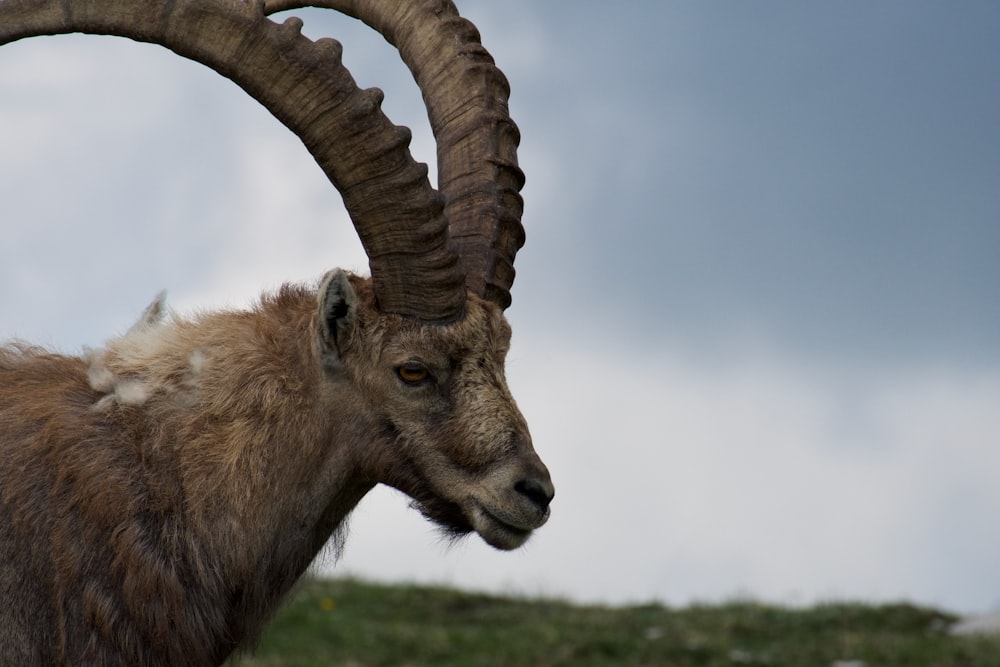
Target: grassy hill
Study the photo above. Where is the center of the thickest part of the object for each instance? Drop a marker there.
(359, 624)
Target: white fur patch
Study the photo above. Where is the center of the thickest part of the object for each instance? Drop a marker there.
(143, 336)
(197, 361)
(99, 375)
(131, 392)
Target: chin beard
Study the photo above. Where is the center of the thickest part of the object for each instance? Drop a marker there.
(447, 515)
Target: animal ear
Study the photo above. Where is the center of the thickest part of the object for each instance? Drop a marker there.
(337, 313)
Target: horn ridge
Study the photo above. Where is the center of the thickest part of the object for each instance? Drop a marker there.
(466, 97)
(305, 85)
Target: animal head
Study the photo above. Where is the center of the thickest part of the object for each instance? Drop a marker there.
(448, 432)
(425, 337)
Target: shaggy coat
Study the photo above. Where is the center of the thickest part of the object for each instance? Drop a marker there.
(160, 495)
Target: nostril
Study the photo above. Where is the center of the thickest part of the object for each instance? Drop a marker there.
(540, 493)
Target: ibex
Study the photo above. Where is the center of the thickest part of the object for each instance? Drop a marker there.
(160, 495)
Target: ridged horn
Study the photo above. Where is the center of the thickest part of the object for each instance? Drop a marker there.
(466, 97)
(399, 216)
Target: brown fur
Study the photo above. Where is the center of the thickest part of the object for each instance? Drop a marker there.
(159, 496)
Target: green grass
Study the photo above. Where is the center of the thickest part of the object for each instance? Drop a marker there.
(359, 624)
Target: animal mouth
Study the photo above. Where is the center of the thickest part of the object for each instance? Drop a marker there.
(501, 524)
(498, 529)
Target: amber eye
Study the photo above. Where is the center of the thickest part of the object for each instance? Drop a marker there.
(413, 373)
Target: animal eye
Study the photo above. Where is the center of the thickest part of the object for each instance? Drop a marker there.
(413, 373)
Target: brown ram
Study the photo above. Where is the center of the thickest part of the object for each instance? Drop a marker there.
(159, 496)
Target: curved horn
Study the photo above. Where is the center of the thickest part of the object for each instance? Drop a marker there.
(466, 98)
(399, 217)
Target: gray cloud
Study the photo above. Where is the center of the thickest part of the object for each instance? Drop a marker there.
(826, 173)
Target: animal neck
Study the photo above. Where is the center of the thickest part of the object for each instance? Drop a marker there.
(265, 453)
(271, 464)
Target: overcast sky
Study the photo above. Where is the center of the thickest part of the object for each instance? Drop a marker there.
(756, 319)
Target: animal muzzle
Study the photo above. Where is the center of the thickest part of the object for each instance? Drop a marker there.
(514, 506)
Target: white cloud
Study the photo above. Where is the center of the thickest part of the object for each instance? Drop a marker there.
(132, 170)
(678, 484)
(282, 221)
